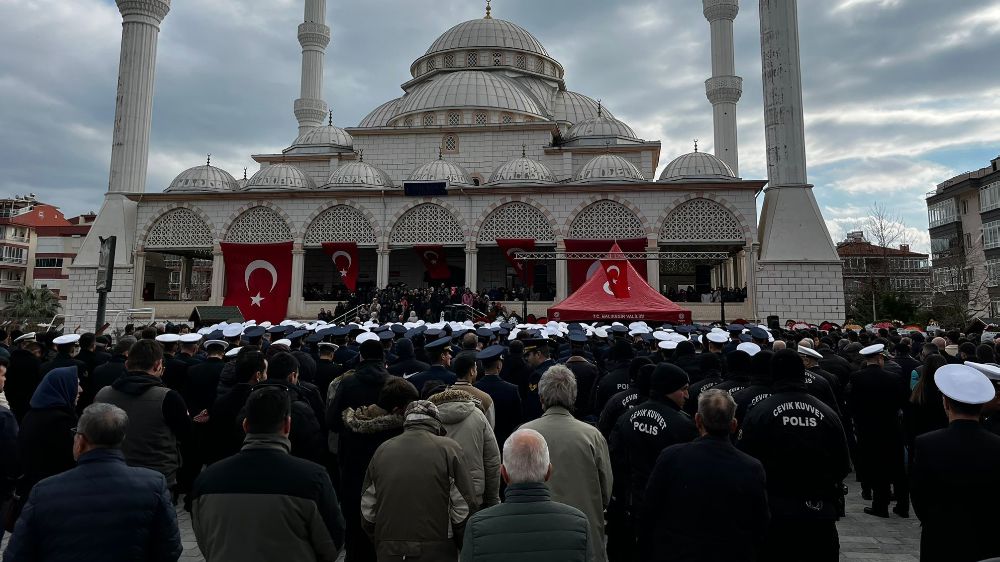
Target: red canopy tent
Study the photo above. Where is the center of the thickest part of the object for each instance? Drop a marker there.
(592, 302)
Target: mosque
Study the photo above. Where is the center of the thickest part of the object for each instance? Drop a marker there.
(486, 143)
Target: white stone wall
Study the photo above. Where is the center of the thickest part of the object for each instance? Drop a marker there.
(82, 302)
(807, 292)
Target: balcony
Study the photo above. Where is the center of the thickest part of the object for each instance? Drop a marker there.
(11, 283)
(19, 239)
(13, 260)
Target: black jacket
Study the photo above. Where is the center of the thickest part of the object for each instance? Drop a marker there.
(876, 399)
(10, 467)
(225, 427)
(307, 436)
(710, 380)
(506, 405)
(407, 366)
(954, 493)
(586, 374)
(691, 484)
(326, 371)
(801, 443)
(531, 405)
(616, 406)
(64, 360)
(23, 376)
(45, 445)
(435, 372)
(202, 382)
(611, 383)
(638, 437)
(108, 373)
(356, 390)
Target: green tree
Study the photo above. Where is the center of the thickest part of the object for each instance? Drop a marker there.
(32, 303)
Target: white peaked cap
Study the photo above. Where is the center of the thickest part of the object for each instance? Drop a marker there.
(749, 348)
(809, 352)
(66, 339)
(992, 372)
(718, 337)
(668, 344)
(232, 352)
(365, 336)
(964, 384)
(162, 338)
(190, 338)
(232, 331)
(283, 341)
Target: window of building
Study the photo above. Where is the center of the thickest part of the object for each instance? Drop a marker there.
(991, 235)
(989, 197)
(14, 255)
(507, 119)
(968, 239)
(454, 119)
(540, 65)
(449, 60)
(431, 65)
(473, 59)
(408, 122)
(477, 179)
(48, 262)
(993, 273)
(519, 61)
(965, 206)
(942, 212)
(909, 284)
(449, 144)
(909, 264)
(428, 119)
(497, 58)
(482, 119)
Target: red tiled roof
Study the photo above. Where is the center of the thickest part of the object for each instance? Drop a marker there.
(864, 249)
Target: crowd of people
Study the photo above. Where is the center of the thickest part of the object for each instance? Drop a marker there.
(453, 441)
(707, 294)
(398, 303)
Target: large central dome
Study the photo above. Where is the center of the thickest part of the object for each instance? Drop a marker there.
(486, 33)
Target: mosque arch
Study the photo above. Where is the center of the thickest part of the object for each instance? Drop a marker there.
(515, 219)
(178, 228)
(341, 222)
(606, 219)
(259, 224)
(703, 218)
(427, 223)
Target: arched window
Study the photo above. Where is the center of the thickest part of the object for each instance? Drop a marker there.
(427, 223)
(482, 118)
(454, 119)
(449, 60)
(431, 65)
(179, 228)
(507, 119)
(497, 58)
(606, 220)
(257, 225)
(408, 122)
(429, 119)
(338, 224)
(519, 61)
(516, 220)
(472, 59)
(701, 219)
(449, 143)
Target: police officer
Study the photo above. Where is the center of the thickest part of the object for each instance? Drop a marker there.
(876, 398)
(538, 356)
(759, 387)
(738, 368)
(624, 400)
(616, 379)
(326, 368)
(711, 370)
(817, 380)
(506, 399)
(637, 439)
(801, 443)
(439, 352)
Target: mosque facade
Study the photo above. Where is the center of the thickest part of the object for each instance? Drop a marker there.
(485, 143)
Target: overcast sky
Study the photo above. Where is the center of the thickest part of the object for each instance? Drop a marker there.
(899, 94)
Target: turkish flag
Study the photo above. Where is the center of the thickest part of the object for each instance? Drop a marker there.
(434, 261)
(509, 247)
(617, 273)
(581, 270)
(258, 279)
(345, 261)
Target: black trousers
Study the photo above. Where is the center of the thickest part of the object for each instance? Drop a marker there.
(790, 540)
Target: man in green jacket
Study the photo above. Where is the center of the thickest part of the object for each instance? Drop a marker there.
(529, 526)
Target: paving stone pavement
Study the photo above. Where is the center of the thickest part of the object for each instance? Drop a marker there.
(862, 537)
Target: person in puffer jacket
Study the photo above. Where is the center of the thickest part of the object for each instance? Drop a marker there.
(464, 422)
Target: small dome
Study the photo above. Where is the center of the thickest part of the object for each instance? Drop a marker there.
(522, 171)
(279, 177)
(442, 170)
(609, 168)
(599, 130)
(328, 135)
(202, 178)
(487, 33)
(359, 174)
(380, 116)
(574, 107)
(697, 165)
(470, 89)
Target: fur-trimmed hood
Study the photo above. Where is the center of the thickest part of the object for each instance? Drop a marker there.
(454, 405)
(371, 419)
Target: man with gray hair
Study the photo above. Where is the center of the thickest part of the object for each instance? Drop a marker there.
(693, 483)
(581, 476)
(528, 526)
(101, 510)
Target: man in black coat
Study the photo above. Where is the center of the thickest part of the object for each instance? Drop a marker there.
(307, 435)
(692, 483)
(801, 443)
(711, 371)
(538, 355)
(759, 387)
(616, 379)
(876, 399)
(622, 401)
(359, 387)
(224, 422)
(506, 399)
(439, 353)
(954, 474)
(114, 368)
(406, 361)
(637, 439)
(586, 374)
(203, 378)
(326, 367)
(515, 370)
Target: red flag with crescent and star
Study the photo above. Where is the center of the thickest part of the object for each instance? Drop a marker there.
(510, 247)
(345, 261)
(434, 261)
(616, 270)
(258, 279)
(580, 270)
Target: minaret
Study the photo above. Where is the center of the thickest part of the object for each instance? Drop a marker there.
(134, 106)
(724, 88)
(314, 36)
(798, 260)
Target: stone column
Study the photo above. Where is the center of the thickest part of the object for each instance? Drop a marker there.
(140, 278)
(653, 264)
(562, 273)
(296, 304)
(724, 88)
(218, 277)
(382, 268)
(749, 255)
(471, 265)
(185, 277)
(314, 36)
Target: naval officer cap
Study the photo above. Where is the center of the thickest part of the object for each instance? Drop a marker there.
(535, 344)
(210, 344)
(749, 348)
(232, 331)
(276, 330)
(809, 352)
(440, 343)
(736, 328)
(365, 336)
(254, 331)
(162, 338)
(667, 345)
(758, 333)
(578, 337)
(484, 333)
(190, 338)
(873, 350)
(718, 337)
(66, 339)
(25, 337)
(327, 346)
(314, 338)
(385, 335)
(282, 342)
(232, 352)
(398, 329)
(491, 353)
(964, 384)
(992, 372)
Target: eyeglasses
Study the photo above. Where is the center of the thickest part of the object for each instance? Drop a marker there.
(75, 431)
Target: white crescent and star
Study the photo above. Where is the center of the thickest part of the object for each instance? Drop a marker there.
(432, 260)
(339, 253)
(254, 266)
(618, 273)
(510, 254)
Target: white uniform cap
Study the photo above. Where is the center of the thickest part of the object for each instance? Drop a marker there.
(68, 338)
(223, 344)
(265, 324)
(964, 384)
(232, 352)
(601, 332)
(637, 325)
(992, 372)
(28, 336)
(326, 344)
(232, 331)
(661, 336)
(283, 341)
(638, 330)
(365, 336)
(190, 338)
(667, 345)
(205, 331)
(168, 338)
(249, 323)
(809, 352)
(677, 338)
(873, 350)
(749, 348)
(718, 337)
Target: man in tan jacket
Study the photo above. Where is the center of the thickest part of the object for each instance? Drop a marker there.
(581, 467)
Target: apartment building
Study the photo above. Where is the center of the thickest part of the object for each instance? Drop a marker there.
(896, 269)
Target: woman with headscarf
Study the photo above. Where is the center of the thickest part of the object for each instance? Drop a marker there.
(45, 443)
